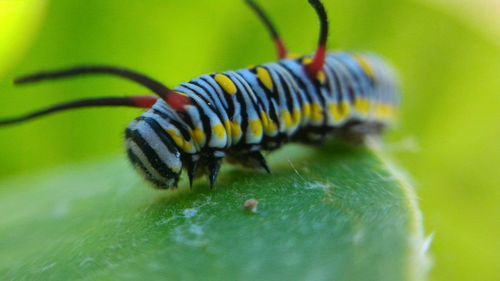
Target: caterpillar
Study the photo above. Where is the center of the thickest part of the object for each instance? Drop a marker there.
(236, 115)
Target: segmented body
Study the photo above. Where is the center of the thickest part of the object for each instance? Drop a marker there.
(241, 112)
(236, 115)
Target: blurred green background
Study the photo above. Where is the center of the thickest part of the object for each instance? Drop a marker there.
(447, 54)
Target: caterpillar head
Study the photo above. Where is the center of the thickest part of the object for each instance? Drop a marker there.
(153, 153)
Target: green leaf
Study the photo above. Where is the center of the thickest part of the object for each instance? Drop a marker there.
(328, 213)
(19, 21)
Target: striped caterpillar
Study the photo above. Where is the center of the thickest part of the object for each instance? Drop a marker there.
(235, 115)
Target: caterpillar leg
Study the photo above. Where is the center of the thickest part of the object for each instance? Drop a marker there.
(356, 132)
(192, 168)
(252, 160)
(280, 46)
(206, 164)
(313, 136)
(213, 170)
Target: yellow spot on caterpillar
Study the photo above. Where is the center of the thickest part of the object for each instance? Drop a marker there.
(306, 111)
(235, 131)
(227, 126)
(340, 111)
(265, 77)
(219, 131)
(226, 84)
(297, 117)
(199, 136)
(287, 118)
(256, 128)
(362, 105)
(273, 127)
(179, 140)
(385, 111)
(269, 126)
(317, 112)
(264, 119)
(346, 109)
(186, 146)
(367, 68)
(321, 77)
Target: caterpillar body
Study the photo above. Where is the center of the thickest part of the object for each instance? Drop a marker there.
(235, 115)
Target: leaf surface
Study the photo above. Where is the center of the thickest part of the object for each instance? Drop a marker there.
(328, 213)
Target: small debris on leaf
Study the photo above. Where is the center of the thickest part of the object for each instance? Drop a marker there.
(251, 205)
